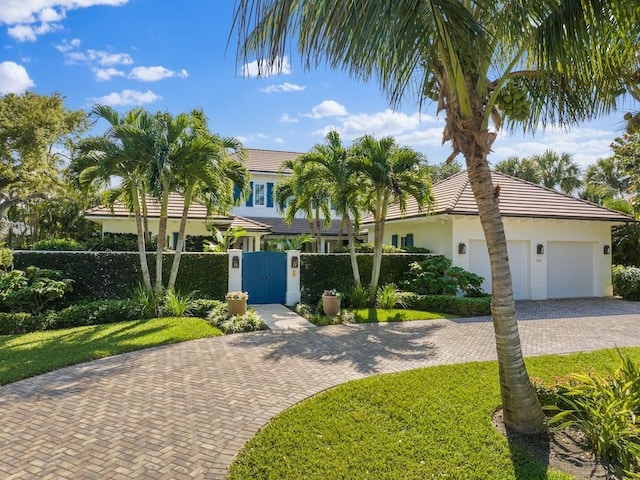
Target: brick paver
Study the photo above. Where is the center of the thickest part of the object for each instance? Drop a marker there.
(184, 411)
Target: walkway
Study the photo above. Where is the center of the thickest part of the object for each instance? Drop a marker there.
(184, 411)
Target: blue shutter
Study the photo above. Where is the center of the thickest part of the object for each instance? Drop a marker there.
(175, 240)
(250, 199)
(409, 241)
(394, 240)
(270, 195)
(236, 193)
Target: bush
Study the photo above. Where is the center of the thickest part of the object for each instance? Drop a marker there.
(176, 305)
(388, 297)
(14, 323)
(436, 276)
(249, 322)
(58, 245)
(461, 306)
(92, 313)
(202, 306)
(118, 242)
(367, 247)
(626, 282)
(358, 297)
(30, 290)
(6, 258)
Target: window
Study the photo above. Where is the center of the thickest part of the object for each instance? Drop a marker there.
(259, 195)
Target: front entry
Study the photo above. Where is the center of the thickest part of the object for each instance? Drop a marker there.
(264, 276)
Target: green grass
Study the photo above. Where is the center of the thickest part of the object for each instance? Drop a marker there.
(23, 356)
(374, 315)
(423, 424)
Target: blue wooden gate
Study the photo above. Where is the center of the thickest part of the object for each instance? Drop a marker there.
(264, 276)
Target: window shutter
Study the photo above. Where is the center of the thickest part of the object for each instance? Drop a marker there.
(250, 199)
(175, 240)
(409, 241)
(236, 193)
(394, 240)
(269, 194)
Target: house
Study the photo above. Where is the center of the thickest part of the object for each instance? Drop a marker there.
(559, 246)
(257, 214)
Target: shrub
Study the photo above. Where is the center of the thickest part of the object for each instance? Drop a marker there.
(367, 247)
(202, 306)
(436, 276)
(30, 290)
(92, 313)
(461, 306)
(6, 258)
(358, 297)
(118, 242)
(626, 282)
(388, 297)
(605, 409)
(249, 322)
(146, 303)
(58, 245)
(14, 323)
(177, 305)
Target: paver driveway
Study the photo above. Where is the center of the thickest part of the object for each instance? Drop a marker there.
(184, 411)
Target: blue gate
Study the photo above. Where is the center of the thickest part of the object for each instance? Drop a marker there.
(264, 276)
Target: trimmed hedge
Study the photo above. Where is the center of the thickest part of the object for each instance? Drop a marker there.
(320, 272)
(626, 282)
(92, 313)
(105, 275)
(14, 323)
(461, 306)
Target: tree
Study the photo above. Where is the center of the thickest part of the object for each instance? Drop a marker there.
(517, 63)
(387, 174)
(328, 166)
(206, 167)
(35, 130)
(442, 171)
(559, 172)
(525, 169)
(626, 152)
(123, 152)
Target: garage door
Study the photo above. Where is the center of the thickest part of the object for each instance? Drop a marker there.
(518, 262)
(570, 269)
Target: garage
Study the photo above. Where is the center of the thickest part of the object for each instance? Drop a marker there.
(570, 269)
(519, 261)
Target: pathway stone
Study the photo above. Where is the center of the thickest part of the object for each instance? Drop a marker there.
(184, 411)
(279, 317)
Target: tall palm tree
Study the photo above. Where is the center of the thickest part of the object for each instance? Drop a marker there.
(608, 175)
(120, 152)
(559, 172)
(207, 167)
(328, 166)
(518, 63)
(524, 168)
(388, 174)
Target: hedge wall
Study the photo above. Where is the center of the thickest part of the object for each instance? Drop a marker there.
(319, 272)
(100, 275)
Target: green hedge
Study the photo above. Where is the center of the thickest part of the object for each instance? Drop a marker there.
(14, 323)
(626, 282)
(97, 312)
(104, 275)
(461, 306)
(320, 272)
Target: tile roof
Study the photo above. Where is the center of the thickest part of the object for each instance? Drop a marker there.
(518, 198)
(267, 161)
(299, 225)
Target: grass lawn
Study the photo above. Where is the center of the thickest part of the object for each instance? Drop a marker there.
(374, 315)
(423, 424)
(30, 354)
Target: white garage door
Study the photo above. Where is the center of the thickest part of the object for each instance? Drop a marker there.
(518, 262)
(570, 269)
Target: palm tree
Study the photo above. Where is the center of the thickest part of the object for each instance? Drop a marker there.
(608, 176)
(387, 174)
(206, 168)
(516, 63)
(559, 172)
(327, 165)
(525, 168)
(120, 152)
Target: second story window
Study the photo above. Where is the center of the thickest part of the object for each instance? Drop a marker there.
(259, 195)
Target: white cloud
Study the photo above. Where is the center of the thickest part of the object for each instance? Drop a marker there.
(287, 119)
(100, 57)
(263, 68)
(283, 87)
(67, 46)
(327, 108)
(14, 78)
(251, 137)
(279, 140)
(29, 33)
(104, 74)
(155, 73)
(127, 97)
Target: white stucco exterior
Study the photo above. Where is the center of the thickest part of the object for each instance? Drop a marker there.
(572, 262)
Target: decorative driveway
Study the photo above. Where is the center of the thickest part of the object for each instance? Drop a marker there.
(184, 411)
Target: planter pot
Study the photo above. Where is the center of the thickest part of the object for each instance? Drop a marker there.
(331, 305)
(237, 307)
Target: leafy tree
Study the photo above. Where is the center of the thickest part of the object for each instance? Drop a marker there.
(442, 171)
(525, 169)
(517, 63)
(387, 174)
(35, 130)
(626, 152)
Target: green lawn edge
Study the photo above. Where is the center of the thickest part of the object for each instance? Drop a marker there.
(380, 315)
(29, 354)
(426, 423)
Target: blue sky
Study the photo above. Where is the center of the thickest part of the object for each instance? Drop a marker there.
(167, 55)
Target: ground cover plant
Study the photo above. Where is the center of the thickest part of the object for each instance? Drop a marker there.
(39, 352)
(426, 423)
(377, 315)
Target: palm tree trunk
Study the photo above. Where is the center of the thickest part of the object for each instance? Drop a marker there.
(521, 408)
(352, 251)
(319, 231)
(162, 234)
(144, 266)
(180, 245)
(314, 245)
(379, 219)
(145, 216)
